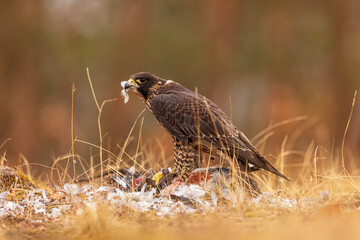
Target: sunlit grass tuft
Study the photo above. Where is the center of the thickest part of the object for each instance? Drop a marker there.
(324, 195)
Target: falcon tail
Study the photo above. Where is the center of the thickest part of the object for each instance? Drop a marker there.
(272, 169)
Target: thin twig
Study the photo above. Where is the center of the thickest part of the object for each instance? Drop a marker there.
(346, 130)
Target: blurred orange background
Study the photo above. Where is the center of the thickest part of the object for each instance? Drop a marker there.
(276, 59)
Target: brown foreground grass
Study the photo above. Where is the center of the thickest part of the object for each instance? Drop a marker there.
(335, 216)
(327, 221)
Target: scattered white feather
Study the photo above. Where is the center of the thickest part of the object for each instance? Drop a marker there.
(131, 170)
(11, 209)
(71, 188)
(3, 196)
(55, 212)
(103, 189)
(214, 198)
(194, 192)
(38, 201)
(124, 92)
(119, 181)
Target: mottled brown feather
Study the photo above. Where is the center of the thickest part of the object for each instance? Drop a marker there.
(182, 112)
(192, 119)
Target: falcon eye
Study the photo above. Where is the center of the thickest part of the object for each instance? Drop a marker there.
(141, 80)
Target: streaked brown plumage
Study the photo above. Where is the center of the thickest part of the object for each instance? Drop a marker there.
(196, 124)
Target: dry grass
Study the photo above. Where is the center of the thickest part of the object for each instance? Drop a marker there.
(335, 218)
(332, 216)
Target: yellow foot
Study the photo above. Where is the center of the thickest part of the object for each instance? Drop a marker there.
(157, 177)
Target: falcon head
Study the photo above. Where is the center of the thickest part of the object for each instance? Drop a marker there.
(143, 84)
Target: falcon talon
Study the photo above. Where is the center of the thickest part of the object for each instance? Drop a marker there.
(157, 177)
(197, 126)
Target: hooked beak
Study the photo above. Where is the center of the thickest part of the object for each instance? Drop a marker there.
(128, 84)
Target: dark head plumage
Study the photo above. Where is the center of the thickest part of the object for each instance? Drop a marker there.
(144, 83)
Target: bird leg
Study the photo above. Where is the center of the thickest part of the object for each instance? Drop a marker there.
(186, 160)
(181, 173)
(183, 169)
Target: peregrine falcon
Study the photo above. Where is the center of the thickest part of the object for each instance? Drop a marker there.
(196, 125)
